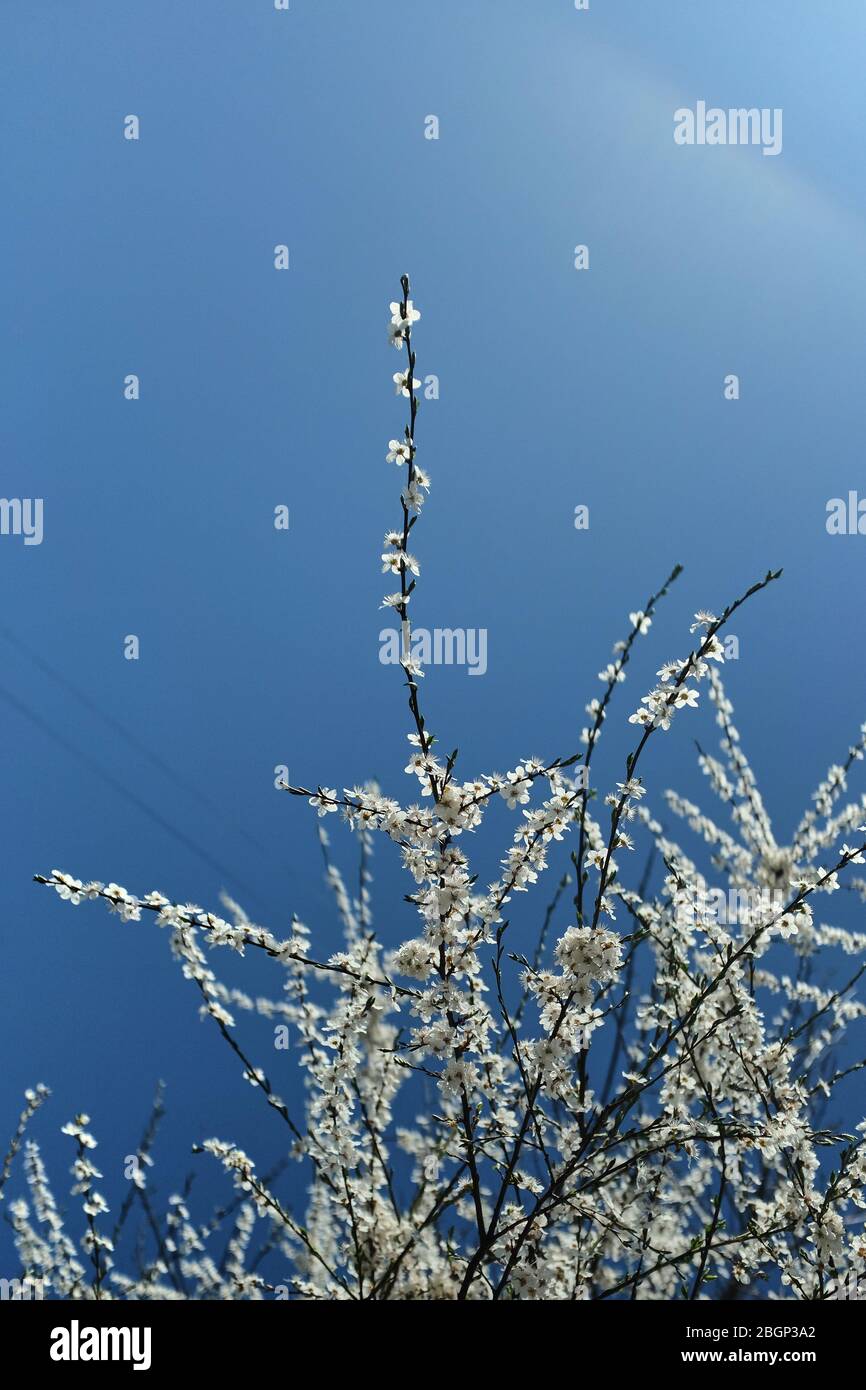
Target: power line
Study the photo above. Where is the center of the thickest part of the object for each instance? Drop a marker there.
(132, 739)
(124, 791)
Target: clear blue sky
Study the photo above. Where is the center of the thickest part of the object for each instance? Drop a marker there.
(257, 388)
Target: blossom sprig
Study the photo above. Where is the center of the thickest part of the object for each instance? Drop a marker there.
(218, 931)
(397, 559)
(97, 1245)
(34, 1098)
(614, 674)
(458, 806)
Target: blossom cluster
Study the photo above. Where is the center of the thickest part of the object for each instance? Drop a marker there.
(613, 1098)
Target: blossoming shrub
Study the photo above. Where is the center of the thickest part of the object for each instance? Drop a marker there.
(632, 1109)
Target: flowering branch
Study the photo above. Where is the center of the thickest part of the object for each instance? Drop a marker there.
(593, 1110)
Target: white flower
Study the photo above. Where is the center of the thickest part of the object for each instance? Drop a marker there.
(410, 316)
(414, 958)
(156, 900)
(515, 790)
(77, 1129)
(124, 904)
(458, 1075)
(632, 788)
(411, 665)
(405, 383)
(399, 451)
(590, 955)
(393, 560)
(67, 887)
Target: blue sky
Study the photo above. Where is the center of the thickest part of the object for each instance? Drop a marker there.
(258, 388)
